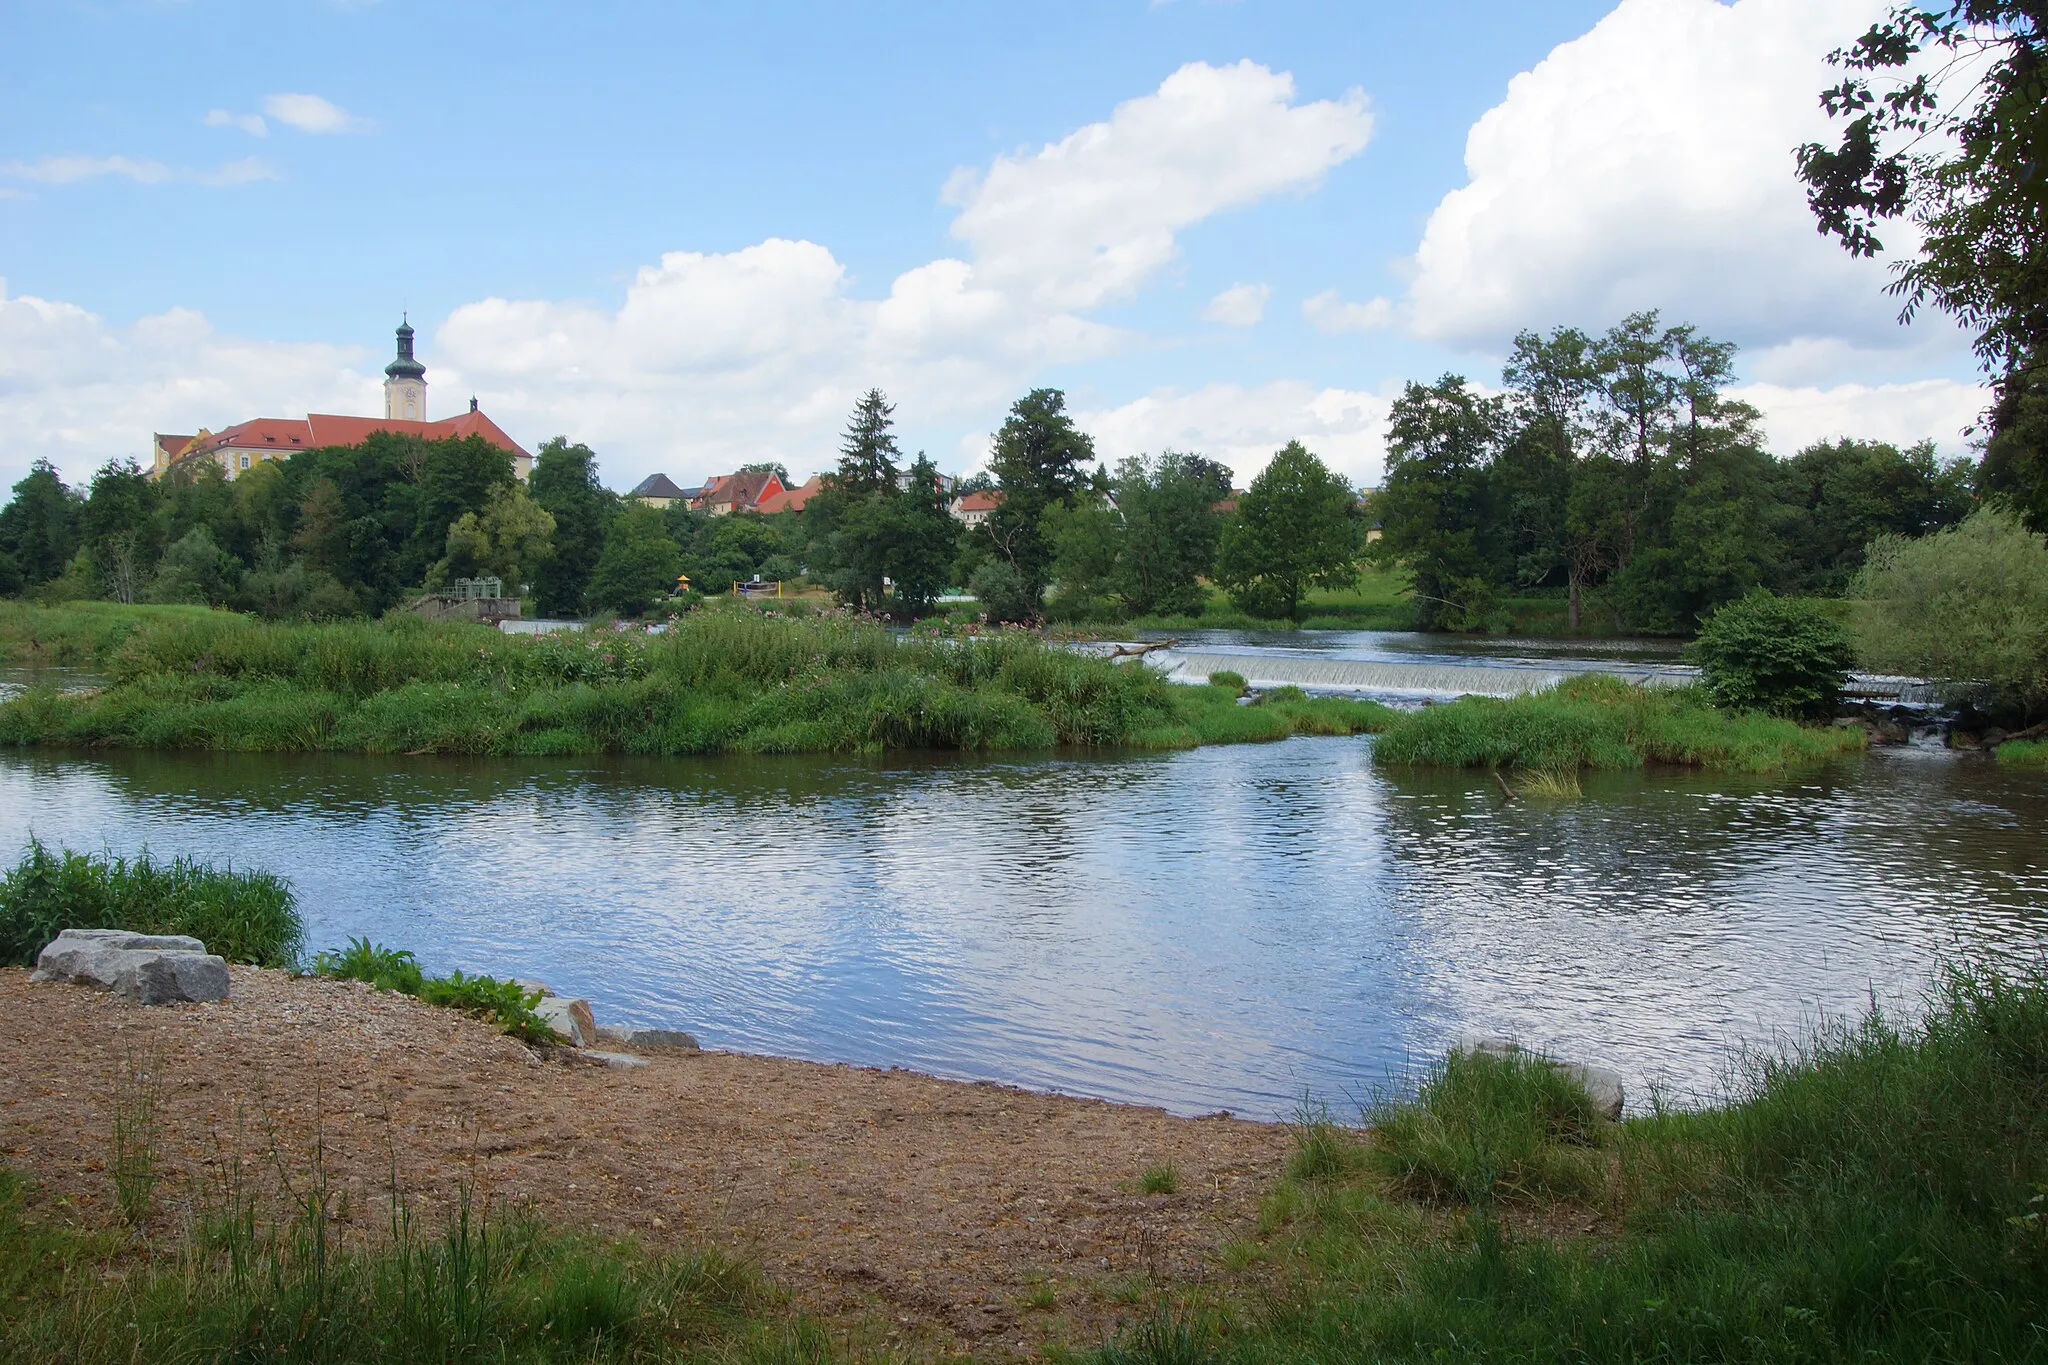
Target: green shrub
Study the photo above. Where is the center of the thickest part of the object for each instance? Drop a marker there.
(388, 969)
(1225, 678)
(506, 1004)
(250, 917)
(1778, 655)
(2022, 753)
(1163, 1178)
(1485, 1125)
(1002, 592)
(1969, 604)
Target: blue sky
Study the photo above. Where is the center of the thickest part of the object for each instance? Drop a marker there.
(689, 234)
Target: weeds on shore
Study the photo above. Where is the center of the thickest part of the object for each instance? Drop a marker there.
(245, 916)
(132, 1134)
(1597, 721)
(506, 1004)
(1873, 1193)
(2022, 753)
(719, 680)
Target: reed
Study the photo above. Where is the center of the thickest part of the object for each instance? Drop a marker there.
(247, 916)
(727, 680)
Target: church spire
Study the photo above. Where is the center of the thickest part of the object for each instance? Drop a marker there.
(405, 381)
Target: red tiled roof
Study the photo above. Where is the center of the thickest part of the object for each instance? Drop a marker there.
(330, 430)
(263, 433)
(791, 499)
(981, 502)
(742, 491)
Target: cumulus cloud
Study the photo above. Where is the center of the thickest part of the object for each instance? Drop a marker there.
(1649, 164)
(80, 391)
(1242, 425)
(1328, 312)
(1241, 305)
(311, 114)
(252, 124)
(1928, 409)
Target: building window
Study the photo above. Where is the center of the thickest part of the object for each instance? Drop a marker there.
(245, 462)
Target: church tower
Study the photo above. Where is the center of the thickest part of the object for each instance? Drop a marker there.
(405, 382)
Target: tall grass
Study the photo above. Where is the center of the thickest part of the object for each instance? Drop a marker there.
(507, 1005)
(1597, 721)
(480, 1286)
(2022, 753)
(726, 680)
(1875, 1192)
(247, 916)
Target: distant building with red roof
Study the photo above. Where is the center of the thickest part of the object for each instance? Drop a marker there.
(973, 509)
(741, 492)
(791, 499)
(246, 444)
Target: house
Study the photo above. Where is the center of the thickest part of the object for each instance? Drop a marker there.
(658, 490)
(974, 508)
(791, 499)
(741, 492)
(246, 444)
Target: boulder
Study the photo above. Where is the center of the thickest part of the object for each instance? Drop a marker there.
(150, 969)
(669, 1038)
(1600, 1083)
(570, 1018)
(617, 1061)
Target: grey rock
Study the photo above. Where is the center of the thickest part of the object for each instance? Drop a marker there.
(151, 969)
(570, 1018)
(1600, 1083)
(617, 1061)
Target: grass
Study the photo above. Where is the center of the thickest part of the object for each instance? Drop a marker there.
(1878, 1191)
(244, 916)
(1596, 721)
(728, 679)
(482, 1286)
(2022, 753)
(1163, 1178)
(1539, 785)
(506, 1005)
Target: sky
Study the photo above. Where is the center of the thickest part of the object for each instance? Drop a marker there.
(691, 235)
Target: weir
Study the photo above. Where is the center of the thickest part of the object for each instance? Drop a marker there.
(1431, 678)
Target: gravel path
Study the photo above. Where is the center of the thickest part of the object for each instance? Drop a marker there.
(930, 1212)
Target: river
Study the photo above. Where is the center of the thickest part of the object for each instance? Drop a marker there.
(1230, 928)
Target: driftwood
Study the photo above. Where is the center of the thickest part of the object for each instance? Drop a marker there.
(1133, 651)
(2031, 732)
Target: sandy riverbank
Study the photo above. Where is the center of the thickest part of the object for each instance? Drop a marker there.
(882, 1199)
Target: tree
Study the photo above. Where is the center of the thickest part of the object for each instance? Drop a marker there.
(925, 542)
(1170, 531)
(1294, 530)
(322, 539)
(455, 477)
(868, 454)
(1087, 541)
(39, 525)
(1435, 509)
(120, 528)
(639, 564)
(1775, 654)
(1847, 493)
(1037, 459)
(564, 483)
(1967, 173)
(508, 541)
(196, 569)
(1968, 604)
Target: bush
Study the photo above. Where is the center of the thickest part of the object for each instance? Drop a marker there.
(1226, 678)
(507, 1004)
(1485, 1125)
(1002, 592)
(1773, 654)
(1969, 604)
(249, 917)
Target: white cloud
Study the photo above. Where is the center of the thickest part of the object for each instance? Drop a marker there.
(1089, 218)
(1241, 305)
(252, 124)
(1241, 426)
(80, 391)
(311, 114)
(71, 170)
(1649, 164)
(1920, 410)
(1328, 312)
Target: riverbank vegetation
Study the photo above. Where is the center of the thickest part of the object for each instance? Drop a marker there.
(505, 1005)
(716, 681)
(248, 916)
(1874, 1193)
(1596, 721)
(286, 1280)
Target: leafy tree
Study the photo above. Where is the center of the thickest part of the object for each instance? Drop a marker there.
(1294, 530)
(639, 564)
(1170, 531)
(454, 477)
(39, 526)
(1967, 173)
(925, 541)
(120, 528)
(1002, 592)
(1968, 604)
(11, 581)
(1037, 460)
(507, 542)
(564, 484)
(1844, 494)
(323, 535)
(1436, 507)
(1775, 654)
(196, 569)
(1087, 541)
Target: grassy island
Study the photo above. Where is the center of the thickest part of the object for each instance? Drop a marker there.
(717, 681)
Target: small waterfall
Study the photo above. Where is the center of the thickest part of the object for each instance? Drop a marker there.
(1359, 675)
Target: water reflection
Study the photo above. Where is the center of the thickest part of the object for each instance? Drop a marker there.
(1223, 928)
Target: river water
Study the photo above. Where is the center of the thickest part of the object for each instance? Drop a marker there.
(1231, 928)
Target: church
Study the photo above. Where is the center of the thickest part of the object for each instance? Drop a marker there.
(241, 447)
